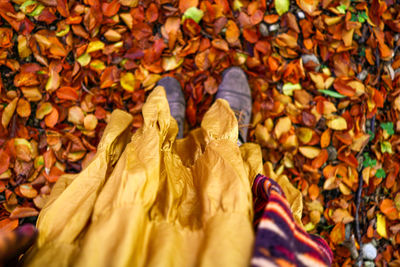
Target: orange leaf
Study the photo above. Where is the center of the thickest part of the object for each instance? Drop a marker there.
(220, 44)
(185, 4)
(52, 118)
(349, 159)
(313, 191)
(110, 9)
(272, 18)
(232, 32)
(67, 93)
(4, 161)
(326, 138)
(8, 225)
(54, 174)
(152, 13)
(337, 235)
(62, 8)
(343, 88)
(389, 209)
(23, 108)
(250, 35)
(23, 212)
(320, 159)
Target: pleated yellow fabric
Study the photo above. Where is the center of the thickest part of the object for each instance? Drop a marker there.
(151, 200)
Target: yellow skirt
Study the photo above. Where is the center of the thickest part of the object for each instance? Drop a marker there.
(148, 199)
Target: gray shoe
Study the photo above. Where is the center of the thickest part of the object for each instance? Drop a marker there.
(235, 89)
(176, 101)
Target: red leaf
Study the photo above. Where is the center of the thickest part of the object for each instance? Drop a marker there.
(62, 8)
(4, 161)
(250, 35)
(152, 13)
(110, 9)
(67, 93)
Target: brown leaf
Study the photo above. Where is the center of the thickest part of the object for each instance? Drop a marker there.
(220, 44)
(185, 4)
(210, 85)
(232, 32)
(4, 161)
(23, 212)
(8, 112)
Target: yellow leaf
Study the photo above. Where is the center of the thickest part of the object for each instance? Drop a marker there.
(337, 235)
(344, 189)
(23, 48)
(75, 115)
(8, 112)
(171, 63)
(84, 59)
(309, 151)
(359, 86)
(95, 46)
(282, 6)
(337, 123)
(262, 135)
(304, 134)
(282, 126)
(127, 81)
(90, 122)
(318, 80)
(359, 142)
(381, 225)
(44, 109)
(347, 37)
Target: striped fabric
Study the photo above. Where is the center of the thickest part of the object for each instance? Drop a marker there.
(279, 240)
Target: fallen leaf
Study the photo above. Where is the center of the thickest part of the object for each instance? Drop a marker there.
(127, 81)
(232, 32)
(8, 112)
(281, 6)
(309, 151)
(23, 212)
(23, 108)
(282, 126)
(75, 115)
(337, 123)
(90, 122)
(389, 209)
(381, 225)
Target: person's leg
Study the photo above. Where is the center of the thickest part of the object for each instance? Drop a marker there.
(176, 101)
(235, 89)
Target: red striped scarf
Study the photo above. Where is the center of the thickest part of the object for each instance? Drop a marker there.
(280, 241)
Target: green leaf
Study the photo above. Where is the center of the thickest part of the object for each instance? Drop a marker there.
(388, 127)
(363, 15)
(63, 32)
(288, 88)
(26, 4)
(332, 93)
(193, 13)
(282, 6)
(342, 9)
(354, 17)
(368, 162)
(386, 147)
(371, 135)
(38, 10)
(237, 5)
(362, 52)
(84, 59)
(380, 173)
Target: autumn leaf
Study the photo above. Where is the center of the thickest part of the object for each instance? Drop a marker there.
(281, 6)
(8, 112)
